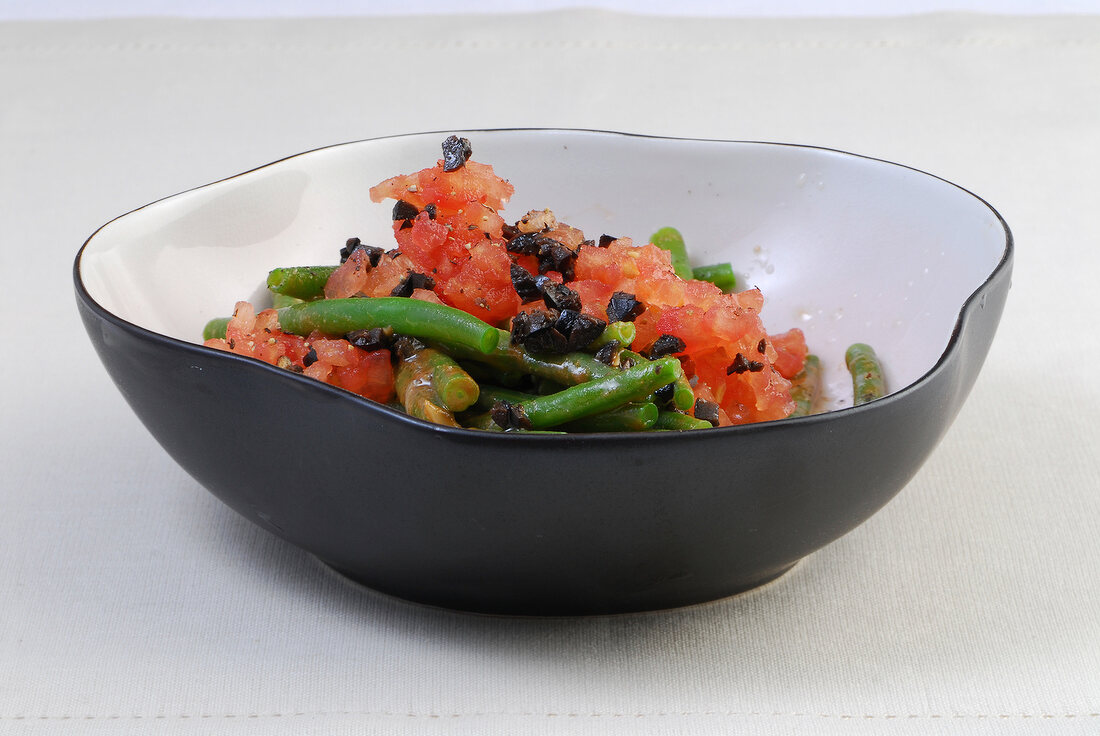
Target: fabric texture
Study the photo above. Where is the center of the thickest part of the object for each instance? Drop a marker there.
(132, 601)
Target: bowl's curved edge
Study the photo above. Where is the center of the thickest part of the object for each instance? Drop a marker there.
(1001, 270)
(949, 380)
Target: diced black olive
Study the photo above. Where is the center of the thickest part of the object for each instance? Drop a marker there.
(349, 246)
(624, 307)
(431, 210)
(606, 354)
(456, 152)
(526, 244)
(404, 210)
(606, 240)
(761, 346)
(524, 284)
(554, 256)
(509, 416)
(376, 338)
(373, 254)
(524, 323)
(405, 224)
(404, 347)
(707, 411)
(666, 345)
(579, 329)
(741, 364)
(560, 296)
(547, 340)
(664, 394)
(536, 331)
(309, 358)
(411, 282)
(509, 231)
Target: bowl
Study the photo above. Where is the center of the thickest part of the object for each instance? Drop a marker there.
(846, 247)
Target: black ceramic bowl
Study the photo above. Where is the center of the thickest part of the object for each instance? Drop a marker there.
(847, 248)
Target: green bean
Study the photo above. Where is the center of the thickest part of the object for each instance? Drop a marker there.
(301, 282)
(215, 328)
(278, 301)
(457, 390)
(483, 373)
(568, 369)
(670, 239)
(624, 332)
(490, 394)
(483, 420)
(674, 420)
(600, 395)
(412, 382)
(806, 387)
(633, 417)
(719, 274)
(683, 396)
(867, 379)
(412, 317)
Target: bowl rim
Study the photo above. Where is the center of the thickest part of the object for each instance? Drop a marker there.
(574, 437)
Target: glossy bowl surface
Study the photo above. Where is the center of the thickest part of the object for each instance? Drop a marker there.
(845, 247)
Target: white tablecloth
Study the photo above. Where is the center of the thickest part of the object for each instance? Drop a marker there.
(131, 601)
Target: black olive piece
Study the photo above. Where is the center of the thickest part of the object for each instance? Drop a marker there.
(376, 338)
(456, 152)
(761, 346)
(579, 329)
(547, 340)
(537, 333)
(554, 256)
(606, 354)
(348, 248)
(404, 210)
(624, 307)
(664, 394)
(405, 224)
(525, 244)
(560, 296)
(373, 254)
(431, 210)
(509, 416)
(741, 364)
(411, 282)
(606, 240)
(309, 358)
(509, 231)
(666, 345)
(707, 411)
(524, 284)
(404, 347)
(524, 323)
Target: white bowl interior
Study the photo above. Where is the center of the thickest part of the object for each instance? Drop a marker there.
(847, 248)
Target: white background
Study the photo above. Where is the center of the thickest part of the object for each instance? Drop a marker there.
(14, 9)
